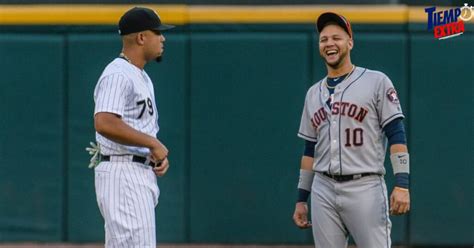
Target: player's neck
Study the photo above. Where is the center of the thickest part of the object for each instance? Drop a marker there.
(340, 71)
(133, 58)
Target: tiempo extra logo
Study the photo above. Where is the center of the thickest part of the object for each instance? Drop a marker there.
(448, 23)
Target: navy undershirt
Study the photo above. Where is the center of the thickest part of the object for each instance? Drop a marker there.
(331, 83)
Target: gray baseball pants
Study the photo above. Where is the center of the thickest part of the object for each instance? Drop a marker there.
(358, 207)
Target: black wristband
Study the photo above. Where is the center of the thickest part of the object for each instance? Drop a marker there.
(303, 195)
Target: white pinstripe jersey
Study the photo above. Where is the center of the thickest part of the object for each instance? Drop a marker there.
(349, 134)
(127, 91)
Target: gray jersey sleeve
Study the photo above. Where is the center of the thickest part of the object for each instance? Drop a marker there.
(388, 104)
(111, 94)
(307, 131)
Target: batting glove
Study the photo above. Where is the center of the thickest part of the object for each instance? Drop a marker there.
(94, 151)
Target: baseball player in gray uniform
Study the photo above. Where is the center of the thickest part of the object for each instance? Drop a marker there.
(348, 118)
(126, 123)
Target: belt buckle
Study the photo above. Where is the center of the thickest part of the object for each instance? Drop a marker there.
(148, 161)
(151, 163)
(357, 176)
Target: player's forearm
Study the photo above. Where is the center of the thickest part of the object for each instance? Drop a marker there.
(306, 179)
(307, 163)
(112, 127)
(395, 148)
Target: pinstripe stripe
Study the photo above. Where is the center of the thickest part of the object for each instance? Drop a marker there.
(107, 203)
(113, 202)
(136, 220)
(145, 207)
(128, 203)
(124, 205)
(148, 198)
(112, 92)
(137, 204)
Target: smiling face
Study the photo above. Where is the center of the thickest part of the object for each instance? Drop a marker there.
(335, 46)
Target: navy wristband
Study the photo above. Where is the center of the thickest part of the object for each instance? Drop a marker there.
(402, 180)
(303, 195)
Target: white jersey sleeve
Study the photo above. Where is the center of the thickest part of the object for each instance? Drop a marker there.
(307, 131)
(111, 94)
(388, 104)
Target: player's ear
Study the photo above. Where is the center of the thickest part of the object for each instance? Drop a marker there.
(351, 43)
(140, 38)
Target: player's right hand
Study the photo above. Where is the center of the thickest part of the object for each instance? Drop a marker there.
(161, 169)
(300, 217)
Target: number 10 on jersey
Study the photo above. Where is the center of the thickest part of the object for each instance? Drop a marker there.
(354, 137)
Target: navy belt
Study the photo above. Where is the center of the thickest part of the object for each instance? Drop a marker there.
(135, 158)
(345, 178)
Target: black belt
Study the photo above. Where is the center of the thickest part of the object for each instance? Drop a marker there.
(135, 158)
(345, 178)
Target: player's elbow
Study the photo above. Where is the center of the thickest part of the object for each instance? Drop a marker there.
(99, 124)
(104, 122)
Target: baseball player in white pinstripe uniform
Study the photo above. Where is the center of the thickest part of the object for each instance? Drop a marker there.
(126, 123)
(347, 120)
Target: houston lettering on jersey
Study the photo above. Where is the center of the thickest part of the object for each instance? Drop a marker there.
(340, 108)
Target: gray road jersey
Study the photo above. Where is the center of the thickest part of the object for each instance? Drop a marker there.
(349, 135)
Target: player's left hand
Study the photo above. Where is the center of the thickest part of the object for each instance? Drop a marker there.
(300, 217)
(162, 168)
(399, 201)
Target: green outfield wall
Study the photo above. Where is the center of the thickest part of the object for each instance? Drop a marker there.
(229, 98)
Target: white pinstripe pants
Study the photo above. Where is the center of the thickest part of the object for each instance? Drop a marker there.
(127, 194)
